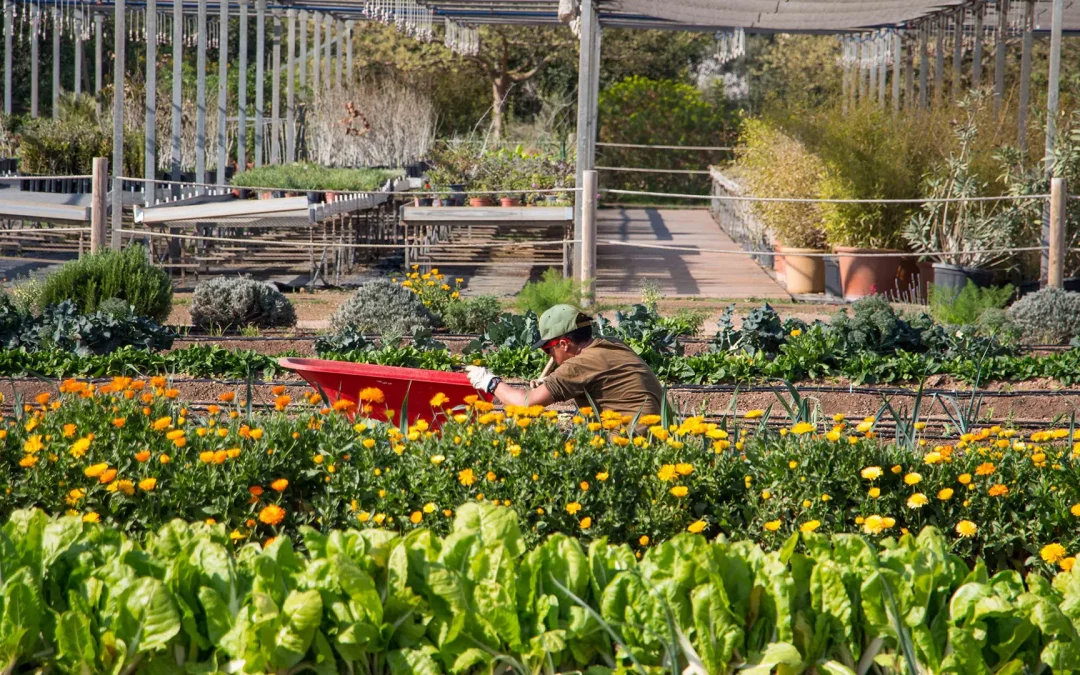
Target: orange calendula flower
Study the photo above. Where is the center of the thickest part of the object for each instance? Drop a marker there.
(28, 461)
(227, 397)
(279, 485)
(985, 469)
(439, 400)
(586, 523)
(148, 484)
(278, 390)
(466, 477)
(119, 422)
(142, 456)
(372, 395)
(107, 476)
(272, 514)
(95, 470)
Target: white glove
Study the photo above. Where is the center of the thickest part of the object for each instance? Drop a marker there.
(480, 378)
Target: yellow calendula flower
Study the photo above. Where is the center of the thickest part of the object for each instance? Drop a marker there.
(602, 476)
(772, 525)
(91, 517)
(964, 479)
(871, 472)
(753, 414)
(585, 523)
(667, 472)
(1052, 553)
(966, 528)
(917, 501)
(573, 507)
(95, 470)
(33, 444)
(945, 494)
(430, 507)
(810, 526)
(874, 492)
(802, 428)
(679, 491)
(148, 484)
(874, 524)
(913, 478)
(696, 527)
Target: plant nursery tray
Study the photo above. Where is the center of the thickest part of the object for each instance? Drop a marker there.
(413, 389)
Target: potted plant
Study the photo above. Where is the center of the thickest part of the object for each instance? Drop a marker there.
(865, 238)
(964, 239)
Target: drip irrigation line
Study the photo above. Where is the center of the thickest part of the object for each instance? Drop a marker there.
(803, 200)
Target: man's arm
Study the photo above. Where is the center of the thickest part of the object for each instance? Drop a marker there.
(514, 396)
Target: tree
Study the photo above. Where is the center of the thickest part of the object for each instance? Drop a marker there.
(508, 56)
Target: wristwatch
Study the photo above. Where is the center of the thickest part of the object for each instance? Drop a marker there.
(493, 384)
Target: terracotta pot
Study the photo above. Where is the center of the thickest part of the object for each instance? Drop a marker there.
(331, 197)
(479, 201)
(862, 275)
(803, 273)
(778, 266)
(926, 277)
(509, 201)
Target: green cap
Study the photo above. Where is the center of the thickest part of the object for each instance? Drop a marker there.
(560, 320)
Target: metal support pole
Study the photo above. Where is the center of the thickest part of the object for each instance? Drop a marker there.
(897, 68)
(1052, 91)
(909, 74)
(958, 56)
(260, 60)
(223, 91)
(924, 69)
(200, 97)
(977, 50)
(588, 238)
(303, 54)
(9, 45)
(290, 90)
(99, 49)
(55, 62)
(177, 126)
(939, 63)
(120, 30)
(35, 21)
(275, 100)
(77, 79)
(316, 54)
(584, 127)
(883, 70)
(328, 35)
(1025, 74)
(1058, 198)
(99, 203)
(845, 81)
(348, 53)
(864, 55)
(150, 112)
(241, 92)
(999, 54)
(872, 68)
(340, 52)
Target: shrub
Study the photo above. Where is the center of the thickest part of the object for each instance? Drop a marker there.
(301, 177)
(68, 146)
(62, 327)
(773, 164)
(238, 301)
(381, 306)
(1049, 315)
(471, 315)
(125, 274)
(875, 327)
(965, 308)
(551, 290)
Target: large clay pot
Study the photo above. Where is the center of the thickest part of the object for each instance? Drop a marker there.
(862, 274)
(509, 201)
(479, 201)
(778, 266)
(804, 270)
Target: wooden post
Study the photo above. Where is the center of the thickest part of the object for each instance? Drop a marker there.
(845, 81)
(588, 238)
(584, 130)
(223, 92)
(1025, 74)
(883, 69)
(348, 53)
(340, 51)
(316, 67)
(328, 37)
(1058, 198)
(897, 68)
(99, 203)
(119, 68)
(909, 73)
(302, 65)
(872, 67)
(1052, 92)
(939, 62)
(99, 30)
(177, 91)
(150, 113)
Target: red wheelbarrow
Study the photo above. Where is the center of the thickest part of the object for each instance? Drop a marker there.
(375, 390)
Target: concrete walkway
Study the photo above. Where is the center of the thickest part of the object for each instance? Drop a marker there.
(622, 269)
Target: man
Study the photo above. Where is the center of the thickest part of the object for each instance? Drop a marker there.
(602, 369)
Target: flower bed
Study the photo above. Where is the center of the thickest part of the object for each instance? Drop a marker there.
(132, 455)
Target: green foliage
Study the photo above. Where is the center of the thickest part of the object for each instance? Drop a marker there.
(643, 111)
(230, 302)
(302, 176)
(875, 327)
(772, 163)
(508, 331)
(964, 308)
(125, 274)
(68, 145)
(62, 328)
(471, 314)
(381, 306)
(1048, 315)
(552, 289)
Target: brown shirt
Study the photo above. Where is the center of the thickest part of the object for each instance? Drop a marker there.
(612, 374)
